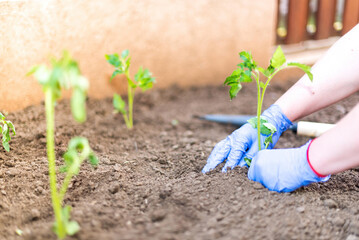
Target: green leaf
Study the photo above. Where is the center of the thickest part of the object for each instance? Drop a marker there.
(77, 151)
(79, 144)
(11, 126)
(305, 68)
(247, 61)
(32, 70)
(113, 59)
(2, 117)
(270, 126)
(243, 74)
(272, 130)
(78, 104)
(262, 85)
(268, 140)
(93, 159)
(144, 79)
(43, 75)
(245, 77)
(6, 145)
(127, 64)
(72, 162)
(80, 82)
(264, 130)
(131, 83)
(245, 56)
(115, 73)
(266, 72)
(253, 122)
(6, 137)
(278, 58)
(5, 129)
(248, 161)
(119, 104)
(65, 73)
(234, 77)
(233, 91)
(270, 70)
(231, 80)
(72, 227)
(125, 53)
(266, 127)
(263, 71)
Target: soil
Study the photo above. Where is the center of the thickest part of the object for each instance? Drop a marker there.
(148, 184)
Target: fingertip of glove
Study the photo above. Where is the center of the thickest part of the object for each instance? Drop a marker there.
(251, 173)
(242, 163)
(205, 169)
(324, 179)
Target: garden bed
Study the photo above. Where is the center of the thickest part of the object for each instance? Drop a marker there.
(148, 184)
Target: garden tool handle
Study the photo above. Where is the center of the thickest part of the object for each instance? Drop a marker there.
(312, 129)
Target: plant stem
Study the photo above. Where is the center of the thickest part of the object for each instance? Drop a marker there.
(125, 117)
(266, 85)
(260, 103)
(50, 122)
(258, 112)
(130, 95)
(65, 184)
(130, 105)
(263, 92)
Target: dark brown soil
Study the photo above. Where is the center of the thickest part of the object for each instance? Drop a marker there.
(149, 185)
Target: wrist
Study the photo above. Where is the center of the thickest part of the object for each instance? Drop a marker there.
(275, 115)
(310, 164)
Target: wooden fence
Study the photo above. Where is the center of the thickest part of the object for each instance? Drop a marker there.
(300, 20)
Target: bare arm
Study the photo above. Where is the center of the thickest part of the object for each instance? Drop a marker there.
(338, 149)
(336, 76)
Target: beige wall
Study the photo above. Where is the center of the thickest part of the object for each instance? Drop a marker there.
(184, 42)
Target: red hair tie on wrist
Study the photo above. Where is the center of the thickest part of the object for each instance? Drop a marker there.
(310, 165)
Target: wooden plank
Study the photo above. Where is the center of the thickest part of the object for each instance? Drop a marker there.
(351, 15)
(325, 19)
(297, 21)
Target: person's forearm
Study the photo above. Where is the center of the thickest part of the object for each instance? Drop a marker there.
(336, 76)
(338, 149)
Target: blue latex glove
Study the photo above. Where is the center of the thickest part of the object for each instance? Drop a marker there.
(243, 142)
(283, 170)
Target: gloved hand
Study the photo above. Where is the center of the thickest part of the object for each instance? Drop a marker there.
(283, 170)
(243, 142)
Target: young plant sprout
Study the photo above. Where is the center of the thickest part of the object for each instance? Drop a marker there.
(5, 127)
(249, 70)
(64, 74)
(143, 79)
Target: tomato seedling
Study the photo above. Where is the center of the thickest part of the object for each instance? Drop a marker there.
(143, 79)
(64, 74)
(6, 127)
(249, 70)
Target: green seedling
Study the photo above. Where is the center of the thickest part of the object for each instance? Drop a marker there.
(143, 79)
(247, 71)
(6, 127)
(64, 74)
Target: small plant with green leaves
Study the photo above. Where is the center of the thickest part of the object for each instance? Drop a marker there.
(247, 71)
(6, 127)
(143, 79)
(64, 74)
